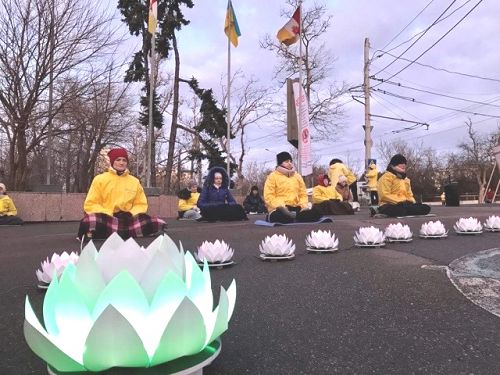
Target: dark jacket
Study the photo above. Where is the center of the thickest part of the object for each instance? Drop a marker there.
(210, 195)
(254, 203)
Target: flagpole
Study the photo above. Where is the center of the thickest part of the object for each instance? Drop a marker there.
(299, 158)
(228, 118)
(150, 119)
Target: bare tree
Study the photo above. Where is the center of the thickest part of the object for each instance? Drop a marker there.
(40, 40)
(317, 62)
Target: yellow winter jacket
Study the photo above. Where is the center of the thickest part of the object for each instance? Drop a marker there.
(187, 204)
(339, 169)
(7, 207)
(393, 190)
(325, 193)
(372, 175)
(110, 193)
(280, 190)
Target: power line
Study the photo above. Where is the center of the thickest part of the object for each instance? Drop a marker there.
(420, 37)
(436, 42)
(433, 93)
(434, 105)
(394, 105)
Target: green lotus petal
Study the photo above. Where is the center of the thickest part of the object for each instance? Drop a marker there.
(49, 306)
(184, 335)
(43, 346)
(199, 286)
(113, 341)
(160, 264)
(88, 278)
(222, 316)
(231, 294)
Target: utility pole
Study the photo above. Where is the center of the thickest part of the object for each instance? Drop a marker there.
(366, 89)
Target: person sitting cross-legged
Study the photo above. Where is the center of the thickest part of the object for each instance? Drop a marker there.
(188, 199)
(116, 203)
(216, 201)
(8, 211)
(253, 203)
(328, 200)
(394, 189)
(285, 194)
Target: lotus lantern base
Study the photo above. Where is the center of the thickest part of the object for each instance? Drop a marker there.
(218, 265)
(468, 232)
(402, 240)
(274, 258)
(358, 244)
(316, 250)
(189, 365)
(488, 229)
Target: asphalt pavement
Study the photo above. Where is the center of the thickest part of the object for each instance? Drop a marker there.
(358, 311)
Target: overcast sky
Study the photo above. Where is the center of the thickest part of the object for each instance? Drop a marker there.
(470, 48)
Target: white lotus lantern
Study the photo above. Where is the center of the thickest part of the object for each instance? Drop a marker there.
(126, 306)
(369, 236)
(399, 232)
(55, 266)
(433, 229)
(214, 252)
(470, 224)
(277, 245)
(492, 223)
(322, 240)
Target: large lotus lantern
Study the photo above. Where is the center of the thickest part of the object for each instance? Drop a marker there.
(322, 240)
(278, 245)
(433, 229)
(129, 307)
(468, 225)
(214, 252)
(369, 236)
(398, 232)
(492, 224)
(54, 266)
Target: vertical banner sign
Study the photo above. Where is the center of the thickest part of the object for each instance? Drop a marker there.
(302, 110)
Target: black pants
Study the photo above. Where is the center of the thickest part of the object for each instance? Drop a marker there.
(334, 207)
(224, 212)
(404, 209)
(306, 216)
(10, 220)
(374, 198)
(354, 190)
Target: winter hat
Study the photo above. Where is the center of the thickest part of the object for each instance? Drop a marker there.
(192, 183)
(117, 153)
(397, 159)
(2, 186)
(283, 156)
(254, 188)
(335, 161)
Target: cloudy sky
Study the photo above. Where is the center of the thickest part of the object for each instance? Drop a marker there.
(470, 48)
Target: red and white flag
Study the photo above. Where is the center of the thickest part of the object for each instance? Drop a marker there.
(290, 33)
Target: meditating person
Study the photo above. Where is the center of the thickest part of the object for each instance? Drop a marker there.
(285, 194)
(372, 179)
(216, 201)
(116, 203)
(327, 200)
(342, 187)
(394, 189)
(8, 211)
(253, 203)
(188, 199)
(337, 169)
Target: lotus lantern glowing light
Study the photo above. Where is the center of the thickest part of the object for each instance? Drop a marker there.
(126, 306)
(369, 236)
(398, 231)
(433, 228)
(322, 240)
(492, 223)
(55, 266)
(214, 252)
(470, 224)
(277, 245)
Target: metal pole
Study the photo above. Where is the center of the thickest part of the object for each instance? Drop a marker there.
(299, 125)
(366, 87)
(149, 158)
(228, 120)
(51, 95)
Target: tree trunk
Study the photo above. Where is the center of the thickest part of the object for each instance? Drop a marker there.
(175, 113)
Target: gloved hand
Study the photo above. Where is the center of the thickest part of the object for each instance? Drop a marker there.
(123, 215)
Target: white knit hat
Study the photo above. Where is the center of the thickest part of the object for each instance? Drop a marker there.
(2, 186)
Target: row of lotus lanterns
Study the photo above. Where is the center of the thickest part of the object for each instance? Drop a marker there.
(278, 246)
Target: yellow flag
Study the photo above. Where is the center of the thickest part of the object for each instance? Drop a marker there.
(153, 16)
(231, 27)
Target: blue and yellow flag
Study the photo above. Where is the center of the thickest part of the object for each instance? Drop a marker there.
(231, 27)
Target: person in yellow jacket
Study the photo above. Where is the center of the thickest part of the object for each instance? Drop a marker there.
(188, 198)
(328, 200)
(285, 194)
(116, 203)
(8, 211)
(394, 188)
(371, 177)
(337, 169)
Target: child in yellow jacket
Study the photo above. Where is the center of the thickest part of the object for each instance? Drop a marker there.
(8, 211)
